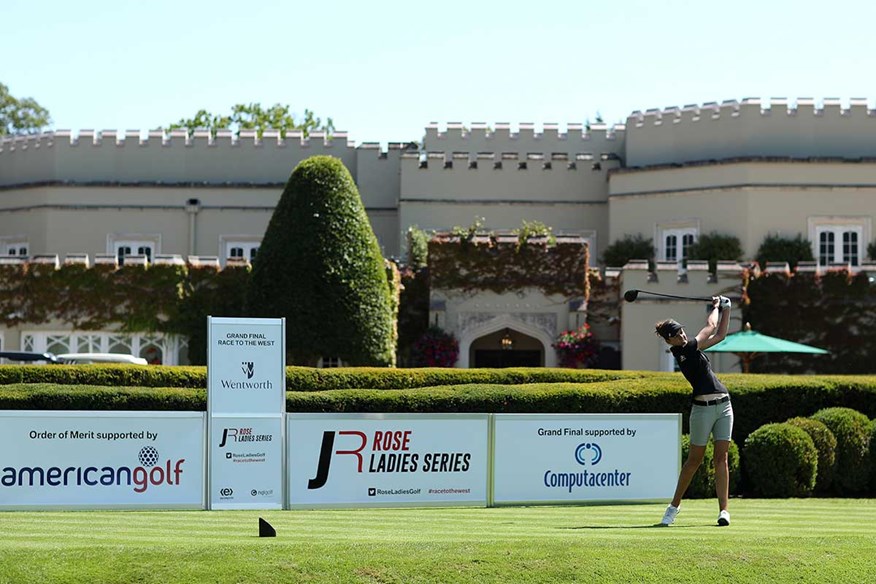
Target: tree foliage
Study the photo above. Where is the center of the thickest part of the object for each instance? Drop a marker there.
(21, 116)
(413, 312)
(631, 247)
(319, 265)
(418, 248)
(253, 116)
(715, 246)
(776, 248)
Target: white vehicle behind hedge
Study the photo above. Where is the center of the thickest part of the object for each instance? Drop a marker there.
(71, 358)
(80, 358)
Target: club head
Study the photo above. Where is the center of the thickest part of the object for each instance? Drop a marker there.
(631, 295)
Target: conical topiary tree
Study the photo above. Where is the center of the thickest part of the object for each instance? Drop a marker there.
(319, 265)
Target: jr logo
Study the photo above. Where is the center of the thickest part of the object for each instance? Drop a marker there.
(225, 435)
(248, 368)
(325, 456)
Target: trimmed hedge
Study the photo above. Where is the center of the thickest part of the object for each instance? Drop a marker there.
(763, 399)
(310, 379)
(319, 265)
(873, 456)
(545, 397)
(780, 461)
(757, 399)
(303, 378)
(702, 486)
(45, 396)
(852, 431)
(115, 375)
(825, 444)
(592, 392)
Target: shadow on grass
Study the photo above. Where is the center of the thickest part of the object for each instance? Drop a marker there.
(652, 526)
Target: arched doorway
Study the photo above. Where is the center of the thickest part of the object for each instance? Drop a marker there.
(506, 348)
(534, 333)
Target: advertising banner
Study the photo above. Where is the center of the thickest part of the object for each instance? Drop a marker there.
(545, 458)
(246, 366)
(59, 459)
(246, 404)
(385, 460)
(246, 458)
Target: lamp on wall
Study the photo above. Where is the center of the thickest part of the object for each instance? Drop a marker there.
(507, 341)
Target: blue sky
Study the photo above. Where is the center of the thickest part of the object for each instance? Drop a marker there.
(384, 69)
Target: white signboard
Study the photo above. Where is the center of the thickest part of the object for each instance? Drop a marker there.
(246, 460)
(60, 459)
(246, 403)
(543, 458)
(246, 366)
(385, 460)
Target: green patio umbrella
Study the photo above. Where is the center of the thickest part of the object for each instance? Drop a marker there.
(748, 344)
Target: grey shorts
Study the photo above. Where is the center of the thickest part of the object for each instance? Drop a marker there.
(716, 419)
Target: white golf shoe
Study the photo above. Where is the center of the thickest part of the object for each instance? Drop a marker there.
(724, 518)
(669, 516)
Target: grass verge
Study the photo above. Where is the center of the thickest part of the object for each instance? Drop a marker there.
(807, 540)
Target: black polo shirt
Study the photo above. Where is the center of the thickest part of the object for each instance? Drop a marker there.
(697, 369)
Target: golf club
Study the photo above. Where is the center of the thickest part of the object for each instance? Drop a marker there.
(632, 294)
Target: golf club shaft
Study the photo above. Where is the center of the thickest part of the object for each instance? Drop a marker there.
(696, 298)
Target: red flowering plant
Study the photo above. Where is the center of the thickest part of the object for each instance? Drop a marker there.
(577, 349)
(436, 348)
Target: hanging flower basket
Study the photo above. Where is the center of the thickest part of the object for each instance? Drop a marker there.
(577, 349)
(436, 348)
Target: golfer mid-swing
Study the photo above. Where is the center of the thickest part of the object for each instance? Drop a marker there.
(711, 412)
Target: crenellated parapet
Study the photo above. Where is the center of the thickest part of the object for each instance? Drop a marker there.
(511, 160)
(668, 278)
(174, 137)
(517, 175)
(377, 173)
(157, 156)
(751, 128)
(526, 139)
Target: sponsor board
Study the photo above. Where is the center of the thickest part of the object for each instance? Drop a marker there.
(102, 459)
(246, 463)
(246, 403)
(543, 458)
(387, 459)
(246, 366)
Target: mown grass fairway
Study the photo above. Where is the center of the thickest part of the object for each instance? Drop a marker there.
(812, 540)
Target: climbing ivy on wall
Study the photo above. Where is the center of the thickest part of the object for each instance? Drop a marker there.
(207, 291)
(485, 261)
(159, 298)
(835, 311)
(91, 298)
(175, 299)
